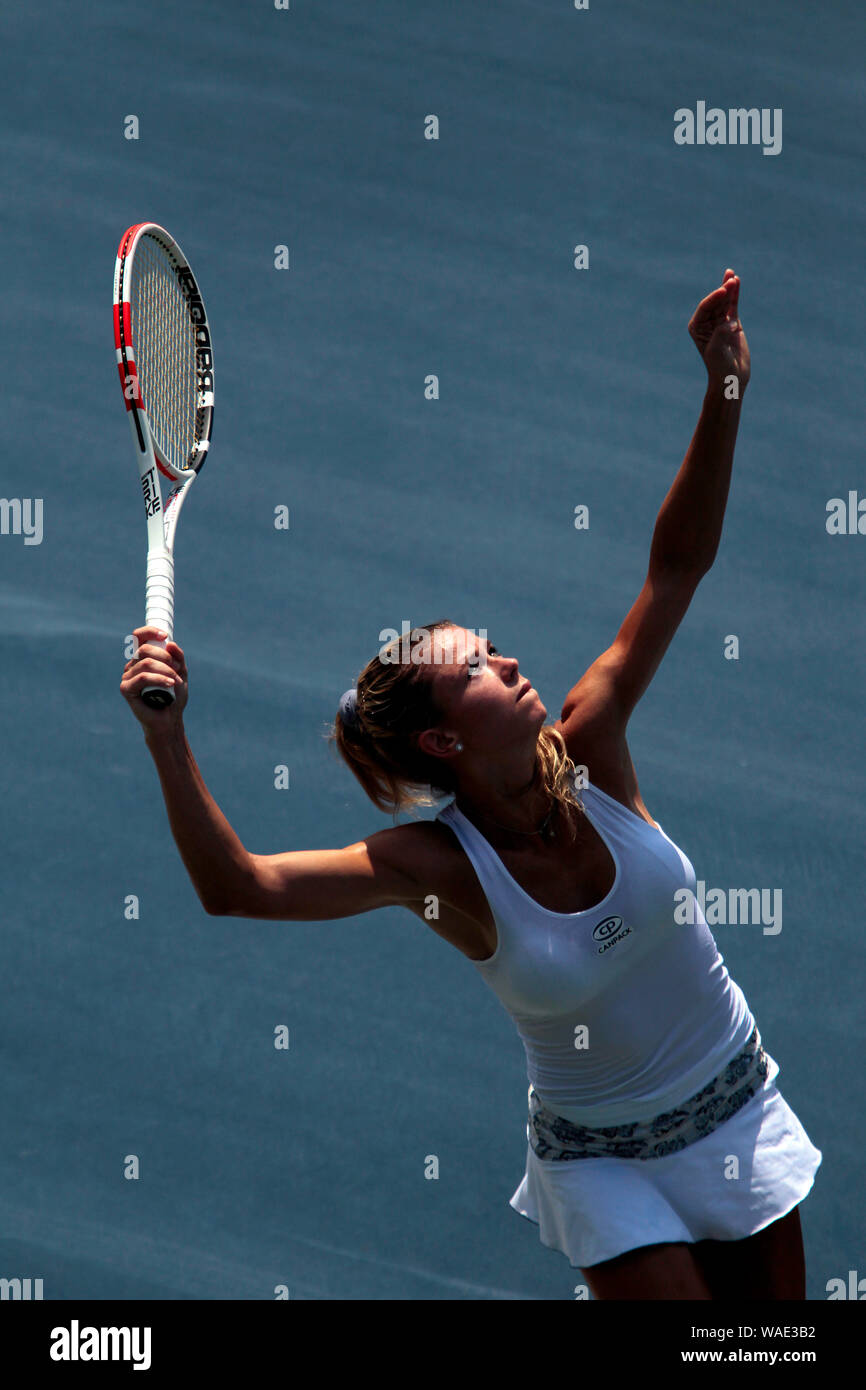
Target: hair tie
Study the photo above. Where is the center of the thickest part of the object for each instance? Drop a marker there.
(349, 708)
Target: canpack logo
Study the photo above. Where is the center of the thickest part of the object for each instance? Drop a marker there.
(75, 1343)
(609, 932)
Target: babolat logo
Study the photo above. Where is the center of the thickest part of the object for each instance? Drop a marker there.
(609, 932)
(151, 493)
(203, 358)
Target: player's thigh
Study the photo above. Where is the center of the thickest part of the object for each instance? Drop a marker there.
(666, 1270)
(769, 1265)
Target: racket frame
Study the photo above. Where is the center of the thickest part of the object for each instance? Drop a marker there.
(152, 461)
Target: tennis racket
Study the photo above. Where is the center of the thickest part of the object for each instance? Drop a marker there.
(165, 361)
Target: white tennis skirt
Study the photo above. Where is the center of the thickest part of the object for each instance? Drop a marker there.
(595, 1208)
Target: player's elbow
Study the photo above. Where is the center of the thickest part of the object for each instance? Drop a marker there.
(230, 896)
(224, 908)
(216, 906)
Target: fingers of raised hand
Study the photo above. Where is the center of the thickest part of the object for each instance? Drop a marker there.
(149, 663)
(153, 650)
(711, 306)
(732, 289)
(177, 656)
(151, 657)
(719, 307)
(140, 677)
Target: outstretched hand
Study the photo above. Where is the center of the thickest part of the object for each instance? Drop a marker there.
(154, 665)
(719, 336)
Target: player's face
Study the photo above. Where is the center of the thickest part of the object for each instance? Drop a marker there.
(483, 694)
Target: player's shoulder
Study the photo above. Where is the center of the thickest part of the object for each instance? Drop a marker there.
(423, 852)
(435, 867)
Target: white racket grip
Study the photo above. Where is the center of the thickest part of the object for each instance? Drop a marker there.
(159, 591)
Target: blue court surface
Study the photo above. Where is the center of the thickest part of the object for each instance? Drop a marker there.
(304, 128)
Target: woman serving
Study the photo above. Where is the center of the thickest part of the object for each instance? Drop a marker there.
(662, 1160)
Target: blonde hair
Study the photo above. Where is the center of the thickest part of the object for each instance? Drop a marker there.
(394, 704)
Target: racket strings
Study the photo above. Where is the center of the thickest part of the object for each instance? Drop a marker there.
(164, 339)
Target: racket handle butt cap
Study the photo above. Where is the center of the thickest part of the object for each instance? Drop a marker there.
(158, 696)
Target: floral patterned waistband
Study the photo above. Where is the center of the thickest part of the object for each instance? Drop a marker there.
(557, 1139)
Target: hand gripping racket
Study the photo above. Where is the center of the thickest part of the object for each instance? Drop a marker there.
(165, 361)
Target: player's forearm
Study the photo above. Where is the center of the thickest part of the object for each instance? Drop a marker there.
(215, 859)
(689, 526)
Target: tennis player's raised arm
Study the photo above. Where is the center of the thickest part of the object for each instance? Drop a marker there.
(298, 886)
(689, 525)
(318, 885)
(302, 885)
(687, 531)
(215, 859)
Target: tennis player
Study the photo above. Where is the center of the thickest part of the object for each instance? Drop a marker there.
(662, 1160)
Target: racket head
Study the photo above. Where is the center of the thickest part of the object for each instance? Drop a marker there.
(163, 344)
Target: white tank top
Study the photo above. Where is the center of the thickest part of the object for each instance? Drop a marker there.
(662, 1013)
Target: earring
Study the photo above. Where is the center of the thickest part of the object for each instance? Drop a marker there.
(459, 747)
